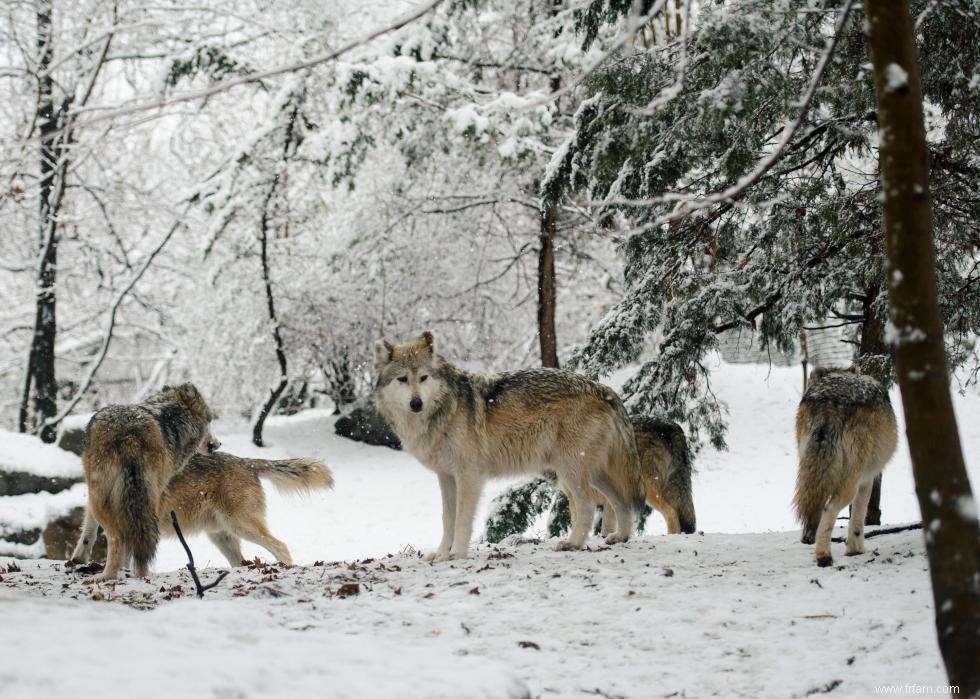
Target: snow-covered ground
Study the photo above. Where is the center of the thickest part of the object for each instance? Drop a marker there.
(740, 610)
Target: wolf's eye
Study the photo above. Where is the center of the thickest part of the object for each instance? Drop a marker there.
(423, 377)
(403, 379)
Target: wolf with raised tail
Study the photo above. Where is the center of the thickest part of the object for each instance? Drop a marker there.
(845, 433)
(470, 427)
(131, 453)
(220, 494)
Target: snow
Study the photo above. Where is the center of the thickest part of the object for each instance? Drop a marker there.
(161, 656)
(739, 610)
(34, 510)
(896, 78)
(26, 453)
(718, 614)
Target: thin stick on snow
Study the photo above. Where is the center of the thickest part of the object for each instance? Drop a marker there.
(882, 532)
(110, 325)
(201, 589)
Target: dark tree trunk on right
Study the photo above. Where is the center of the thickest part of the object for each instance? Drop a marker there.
(949, 513)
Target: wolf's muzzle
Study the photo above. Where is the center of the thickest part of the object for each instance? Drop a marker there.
(416, 405)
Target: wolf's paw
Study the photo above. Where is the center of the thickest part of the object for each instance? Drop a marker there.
(566, 545)
(808, 538)
(440, 556)
(100, 578)
(436, 555)
(855, 545)
(825, 560)
(617, 538)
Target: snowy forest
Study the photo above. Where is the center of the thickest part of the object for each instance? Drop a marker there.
(654, 194)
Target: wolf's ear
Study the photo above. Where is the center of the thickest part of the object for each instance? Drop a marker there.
(188, 392)
(429, 342)
(382, 354)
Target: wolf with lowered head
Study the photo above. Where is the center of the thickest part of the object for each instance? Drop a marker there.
(470, 427)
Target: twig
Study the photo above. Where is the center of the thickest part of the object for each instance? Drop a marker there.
(201, 589)
(880, 532)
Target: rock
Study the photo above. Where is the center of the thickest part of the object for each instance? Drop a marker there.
(72, 439)
(363, 424)
(21, 482)
(23, 536)
(61, 535)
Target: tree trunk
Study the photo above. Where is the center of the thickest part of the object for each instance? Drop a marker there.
(274, 393)
(949, 512)
(51, 189)
(264, 225)
(547, 288)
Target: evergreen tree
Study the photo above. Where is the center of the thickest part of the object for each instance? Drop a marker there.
(668, 143)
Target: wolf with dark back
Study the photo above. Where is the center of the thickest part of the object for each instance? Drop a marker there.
(131, 453)
(665, 461)
(845, 433)
(220, 494)
(666, 468)
(470, 427)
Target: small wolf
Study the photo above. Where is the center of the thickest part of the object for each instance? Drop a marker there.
(220, 494)
(845, 433)
(131, 453)
(470, 427)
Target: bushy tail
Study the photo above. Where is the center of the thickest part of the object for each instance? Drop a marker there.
(625, 468)
(678, 490)
(139, 528)
(821, 467)
(292, 475)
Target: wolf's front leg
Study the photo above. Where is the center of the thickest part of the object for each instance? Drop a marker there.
(468, 489)
(447, 487)
(583, 513)
(90, 531)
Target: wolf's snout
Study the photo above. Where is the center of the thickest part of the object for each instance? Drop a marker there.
(415, 404)
(213, 445)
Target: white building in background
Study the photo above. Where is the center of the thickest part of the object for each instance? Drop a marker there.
(825, 347)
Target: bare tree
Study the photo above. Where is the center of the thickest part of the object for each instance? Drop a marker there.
(949, 511)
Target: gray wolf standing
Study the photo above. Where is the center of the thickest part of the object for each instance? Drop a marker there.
(845, 433)
(220, 494)
(131, 453)
(469, 427)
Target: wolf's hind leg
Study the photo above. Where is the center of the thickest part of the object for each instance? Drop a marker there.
(859, 510)
(229, 545)
(583, 512)
(608, 516)
(115, 553)
(86, 541)
(620, 510)
(254, 530)
(826, 526)
(447, 488)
